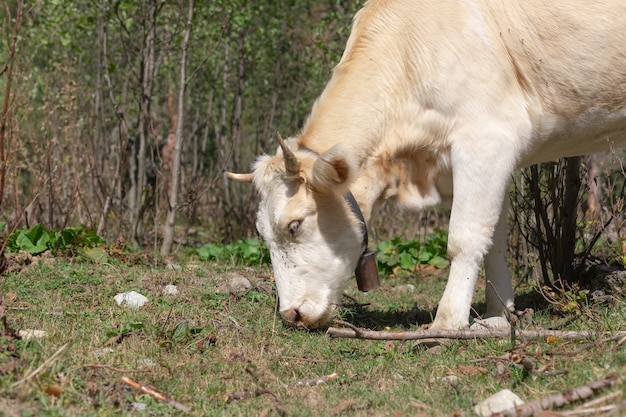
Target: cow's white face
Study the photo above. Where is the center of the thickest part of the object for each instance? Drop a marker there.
(314, 239)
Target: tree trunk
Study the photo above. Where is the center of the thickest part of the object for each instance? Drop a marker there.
(7, 98)
(168, 230)
(222, 145)
(566, 249)
(144, 128)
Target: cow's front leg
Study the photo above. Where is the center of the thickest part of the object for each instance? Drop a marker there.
(480, 177)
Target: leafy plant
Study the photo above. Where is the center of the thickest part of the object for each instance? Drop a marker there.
(566, 298)
(39, 239)
(247, 251)
(406, 254)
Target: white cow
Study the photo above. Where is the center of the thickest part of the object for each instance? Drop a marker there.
(432, 97)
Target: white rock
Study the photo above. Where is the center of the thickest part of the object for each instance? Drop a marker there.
(103, 351)
(131, 299)
(238, 283)
(451, 379)
(170, 290)
(173, 266)
(498, 402)
(139, 406)
(406, 288)
(28, 334)
(146, 362)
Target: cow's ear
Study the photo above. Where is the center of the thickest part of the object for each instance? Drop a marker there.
(333, 171)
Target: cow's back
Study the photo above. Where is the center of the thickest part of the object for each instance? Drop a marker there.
(558, 67)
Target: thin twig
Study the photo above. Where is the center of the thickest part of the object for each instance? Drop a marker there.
(351, 326)
(114, 369)
(512, 319)
(146, 389)
(535, 407)
(355, 333)
(42, 366)
(587, 346)
(295, 358)
(605, 398)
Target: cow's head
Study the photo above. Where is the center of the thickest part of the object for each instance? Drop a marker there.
(315, 237)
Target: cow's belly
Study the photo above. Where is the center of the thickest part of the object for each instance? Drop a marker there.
(593, 131)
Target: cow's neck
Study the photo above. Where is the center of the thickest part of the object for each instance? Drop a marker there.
(399, 149)
(350, 115)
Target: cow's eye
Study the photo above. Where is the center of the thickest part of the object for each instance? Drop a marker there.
(294, 227)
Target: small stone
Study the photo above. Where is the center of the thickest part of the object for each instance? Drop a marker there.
(170, 290)
(101, 352)
(239, 284)
(453, 380)
(233, 282)
(146, 362)
(28, 334)
(173, 266)
(131, 299)
(406, 288)
(139, 406)
(500, 401)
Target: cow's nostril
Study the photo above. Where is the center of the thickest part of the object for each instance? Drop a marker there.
(292, 316)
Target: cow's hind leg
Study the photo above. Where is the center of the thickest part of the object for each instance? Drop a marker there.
(499, 289)
(481, 170)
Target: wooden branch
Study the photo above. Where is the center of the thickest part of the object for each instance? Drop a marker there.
(42, 366)
(146, 389)
(355, 333)
(534, 408)
(114, 369)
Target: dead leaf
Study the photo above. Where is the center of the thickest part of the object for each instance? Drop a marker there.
(344, 405)
(11, 296)
(92, 388)
(55, 390)
(390, 345)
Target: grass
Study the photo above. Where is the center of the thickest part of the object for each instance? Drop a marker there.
(205, 343)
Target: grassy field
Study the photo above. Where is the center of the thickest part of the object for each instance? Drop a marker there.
(218, 352)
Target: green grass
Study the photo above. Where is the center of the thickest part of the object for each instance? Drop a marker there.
(203, 344)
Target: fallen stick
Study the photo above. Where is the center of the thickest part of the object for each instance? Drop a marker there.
(534, 408)
(42, 366)
(114, 369)
(146, 389)
(354, 333)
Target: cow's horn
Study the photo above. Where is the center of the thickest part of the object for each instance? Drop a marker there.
(292, 166)
(240, 177)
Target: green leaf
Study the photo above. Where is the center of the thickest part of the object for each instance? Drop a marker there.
(439, 262)
(96, 254)
(181, 330)
(407, 261)
(210, 251)
(33, 241)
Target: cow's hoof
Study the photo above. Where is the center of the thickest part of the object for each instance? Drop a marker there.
(491, 323)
